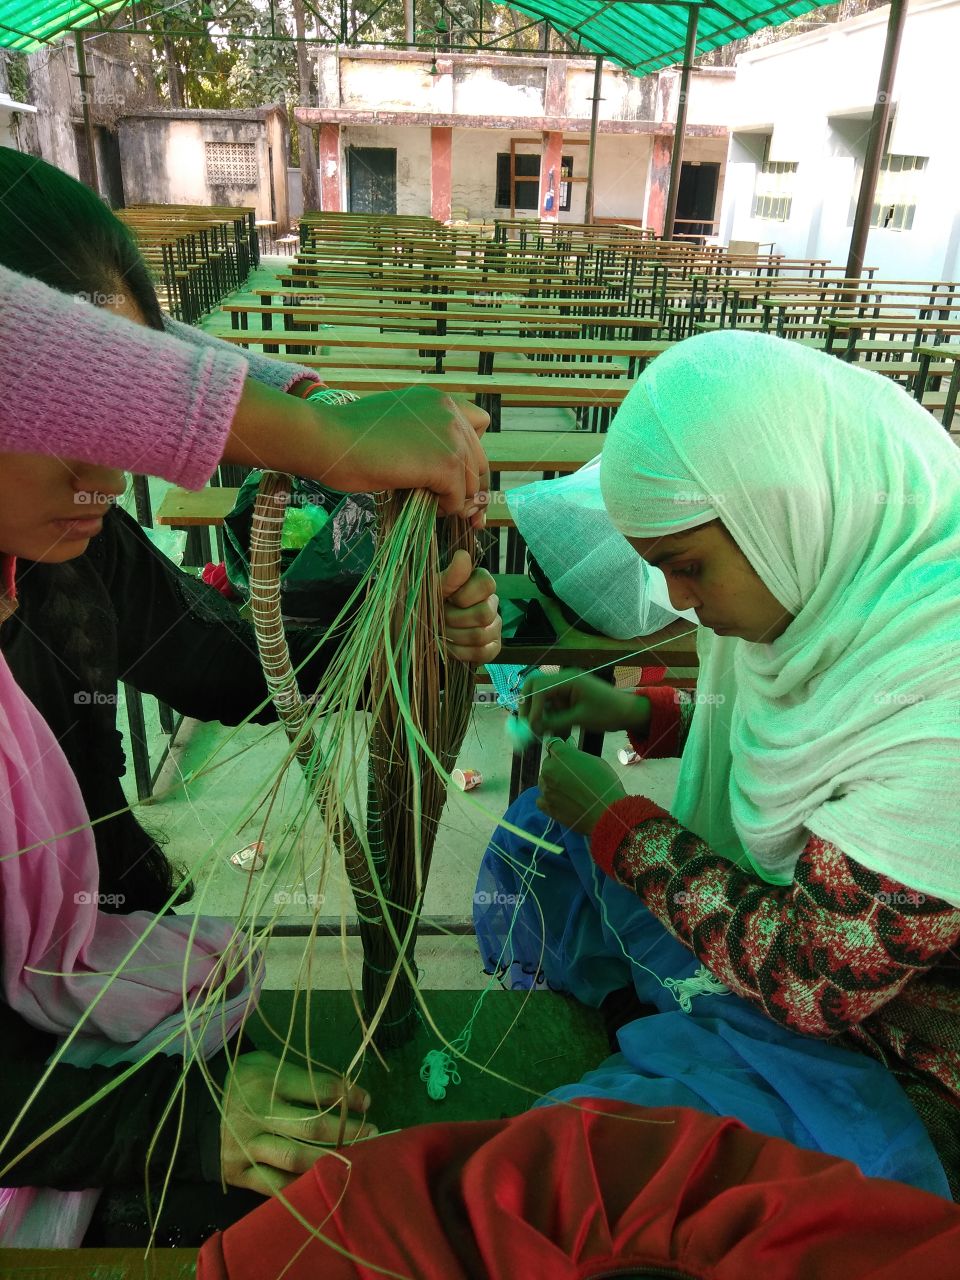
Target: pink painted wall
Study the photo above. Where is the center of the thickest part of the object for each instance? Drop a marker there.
(330, 168)
(550, 163)
(659, 182)
(441, 170)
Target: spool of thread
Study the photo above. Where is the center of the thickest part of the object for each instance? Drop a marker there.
(466, 779)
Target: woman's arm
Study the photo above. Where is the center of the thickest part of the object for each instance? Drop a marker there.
(80, 383)
(819, 955)
(279, 374)
(671, 711)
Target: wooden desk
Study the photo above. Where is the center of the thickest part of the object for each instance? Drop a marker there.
(394, 313)
(940, 352)
(926, 331)
(98, 1264)
(490, 303)
(496, 390)
(636, 351)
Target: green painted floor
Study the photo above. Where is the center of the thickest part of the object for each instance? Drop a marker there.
(521, 1047)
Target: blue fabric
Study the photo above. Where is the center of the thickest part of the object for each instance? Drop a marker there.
(556, 920)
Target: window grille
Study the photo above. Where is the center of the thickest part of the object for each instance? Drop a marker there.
(232, 164)
(895, 200)
(773, 195)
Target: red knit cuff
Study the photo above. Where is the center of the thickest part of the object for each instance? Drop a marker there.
(306, 392)
(663, 736)
(616, 823)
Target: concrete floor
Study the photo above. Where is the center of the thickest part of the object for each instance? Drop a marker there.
(208, 806)
(214, 797)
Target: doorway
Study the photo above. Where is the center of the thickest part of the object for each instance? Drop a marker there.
(697, 199)
(372, 179)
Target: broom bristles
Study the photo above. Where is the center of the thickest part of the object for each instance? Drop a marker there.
(411, 727)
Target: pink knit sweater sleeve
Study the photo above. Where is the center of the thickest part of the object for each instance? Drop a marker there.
(83, 384)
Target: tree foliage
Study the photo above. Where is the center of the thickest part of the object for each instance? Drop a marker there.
(244, 56)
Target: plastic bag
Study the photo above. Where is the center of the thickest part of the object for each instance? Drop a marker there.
(326, 549)
(589, 564)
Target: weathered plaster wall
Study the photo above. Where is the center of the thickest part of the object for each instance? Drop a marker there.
(621, 175)
(55, 90)
(413, 162)
(500, 91)
(164, 162)
(624, 97)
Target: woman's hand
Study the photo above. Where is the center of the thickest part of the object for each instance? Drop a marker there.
(556, 704)
(576, 788)
(415, 439)
(470, 611)
(271, 1124)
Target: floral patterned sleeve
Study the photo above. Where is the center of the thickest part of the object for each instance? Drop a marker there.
(819, 955)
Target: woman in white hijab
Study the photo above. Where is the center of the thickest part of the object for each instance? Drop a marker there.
(809, 513)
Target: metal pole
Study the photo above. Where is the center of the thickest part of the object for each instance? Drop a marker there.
(689, 53)
(876, 140)
(85, 103)
(594, 121)
(408, 22)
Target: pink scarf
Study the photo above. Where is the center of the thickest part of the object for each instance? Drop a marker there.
(58, 950)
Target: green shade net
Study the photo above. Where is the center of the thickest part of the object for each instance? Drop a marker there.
(645, 36)
(28, 24)
(640, 36)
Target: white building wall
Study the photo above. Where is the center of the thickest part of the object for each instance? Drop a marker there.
(814, 96)
(473, 180)
(412, 145)
(621, 175)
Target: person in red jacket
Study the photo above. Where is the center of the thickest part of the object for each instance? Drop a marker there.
(594, 1191)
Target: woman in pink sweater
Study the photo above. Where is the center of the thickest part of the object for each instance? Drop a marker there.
(69, 422)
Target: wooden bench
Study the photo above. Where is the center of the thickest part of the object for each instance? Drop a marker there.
(486, 346)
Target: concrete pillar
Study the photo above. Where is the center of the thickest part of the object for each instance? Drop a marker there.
(441, 171)
(330, 184)
(550, 164)
(555, 88)
(659, 182)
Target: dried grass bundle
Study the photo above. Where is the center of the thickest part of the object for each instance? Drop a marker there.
(391, 666)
